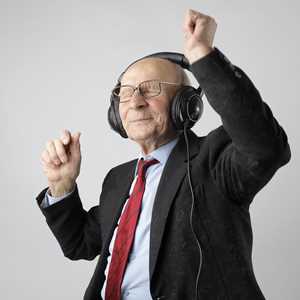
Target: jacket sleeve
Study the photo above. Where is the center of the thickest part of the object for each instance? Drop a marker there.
(256, 145)
(77, 231)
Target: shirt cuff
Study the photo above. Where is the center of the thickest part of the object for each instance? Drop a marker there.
(51, 200)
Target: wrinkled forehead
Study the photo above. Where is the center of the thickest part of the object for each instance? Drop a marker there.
(151, 68)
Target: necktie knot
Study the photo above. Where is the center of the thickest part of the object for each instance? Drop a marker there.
(143, 165)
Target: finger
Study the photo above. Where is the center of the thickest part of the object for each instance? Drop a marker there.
(200, 24)
(66, 136)
(194, 13)
(47, 165)
(75, 145)
(210, 23)
(76, 137)
(60, 151)
(188, 23)
(45, 156)
(52, 153)
(193, 17)
(45, 159)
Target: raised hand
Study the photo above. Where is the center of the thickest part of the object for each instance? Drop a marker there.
(199, 31)
(61, 162)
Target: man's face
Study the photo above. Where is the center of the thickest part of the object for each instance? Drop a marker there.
(148, 120)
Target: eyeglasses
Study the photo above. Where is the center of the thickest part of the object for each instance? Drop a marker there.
(147, 89)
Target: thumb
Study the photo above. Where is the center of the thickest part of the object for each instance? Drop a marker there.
(65, 136)
(76, 137)
(75, 144)
(188, 24)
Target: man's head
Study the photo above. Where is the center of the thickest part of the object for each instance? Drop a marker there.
(147, 121)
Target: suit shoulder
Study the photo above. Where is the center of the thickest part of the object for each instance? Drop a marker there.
(214, 138)
(123, 168)
(218, 133)
(215, 142)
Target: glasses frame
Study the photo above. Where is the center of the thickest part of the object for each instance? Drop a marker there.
(137, 87)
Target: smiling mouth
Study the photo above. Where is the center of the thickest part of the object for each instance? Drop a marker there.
(140, 120)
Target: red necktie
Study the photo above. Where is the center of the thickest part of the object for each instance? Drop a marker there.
(125, 234)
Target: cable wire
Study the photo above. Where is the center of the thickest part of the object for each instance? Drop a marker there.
(193, 204)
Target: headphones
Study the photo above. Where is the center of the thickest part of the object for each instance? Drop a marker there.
(186, 106)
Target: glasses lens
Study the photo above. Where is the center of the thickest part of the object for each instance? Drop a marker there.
(150, 88)
(123, 92)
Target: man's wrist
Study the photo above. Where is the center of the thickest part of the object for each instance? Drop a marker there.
(59, 190)
(198, 53)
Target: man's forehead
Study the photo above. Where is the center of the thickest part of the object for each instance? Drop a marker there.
(150, 68)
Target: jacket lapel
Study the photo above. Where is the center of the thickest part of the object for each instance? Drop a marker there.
(173, 174)
(118, 193)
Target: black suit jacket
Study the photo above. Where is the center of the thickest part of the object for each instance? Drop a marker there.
(228, 167)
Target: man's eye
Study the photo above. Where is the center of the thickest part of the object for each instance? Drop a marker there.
(145, 89)
(125, 91)
(149, 87)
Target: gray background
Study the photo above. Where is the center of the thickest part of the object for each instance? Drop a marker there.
(58, 63)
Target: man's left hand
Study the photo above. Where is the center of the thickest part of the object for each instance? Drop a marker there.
(199, 31)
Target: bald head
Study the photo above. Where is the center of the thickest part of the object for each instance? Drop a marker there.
(154, 68)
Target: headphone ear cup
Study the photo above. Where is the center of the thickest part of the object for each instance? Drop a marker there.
(114, 118)
(187, 106)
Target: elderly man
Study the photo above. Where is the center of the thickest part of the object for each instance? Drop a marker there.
(142, 226)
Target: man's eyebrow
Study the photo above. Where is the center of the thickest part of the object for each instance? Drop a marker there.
(135, 84)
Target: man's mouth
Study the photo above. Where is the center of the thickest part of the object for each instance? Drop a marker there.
(140, 120)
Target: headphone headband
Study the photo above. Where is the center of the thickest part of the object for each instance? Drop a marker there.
(175, 57)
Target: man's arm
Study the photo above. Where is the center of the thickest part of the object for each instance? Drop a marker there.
(77, 231)
(258, 144)
(249, 148)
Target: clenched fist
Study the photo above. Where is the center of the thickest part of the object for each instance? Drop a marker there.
(61, 162)
(199, 31)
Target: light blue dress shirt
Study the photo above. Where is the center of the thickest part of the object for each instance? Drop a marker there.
(136, 281)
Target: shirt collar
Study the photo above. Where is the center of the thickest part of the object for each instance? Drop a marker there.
(161, 153)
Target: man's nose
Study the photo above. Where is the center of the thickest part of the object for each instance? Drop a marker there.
(137, 100)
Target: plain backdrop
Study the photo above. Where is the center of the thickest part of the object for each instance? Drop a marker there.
(58, 63)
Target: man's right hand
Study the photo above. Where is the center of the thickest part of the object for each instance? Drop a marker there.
(61, 163)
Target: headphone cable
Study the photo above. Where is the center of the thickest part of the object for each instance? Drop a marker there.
(193, 203)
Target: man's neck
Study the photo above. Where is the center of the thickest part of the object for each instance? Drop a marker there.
(149, 146)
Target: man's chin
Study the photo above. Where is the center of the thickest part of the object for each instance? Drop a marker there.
(139, 136)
